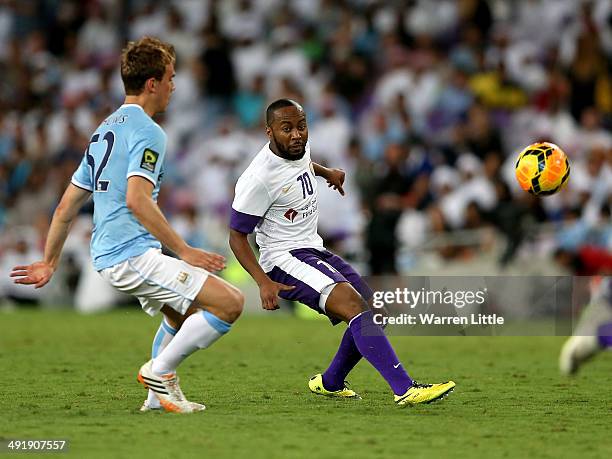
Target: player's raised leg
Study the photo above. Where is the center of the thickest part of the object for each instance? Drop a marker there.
(593, 332)
(170, 325)
(578, 349)
(345, 303)
(216, 306)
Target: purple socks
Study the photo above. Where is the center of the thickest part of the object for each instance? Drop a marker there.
(365, 338)
(344, 361)
(604, 333)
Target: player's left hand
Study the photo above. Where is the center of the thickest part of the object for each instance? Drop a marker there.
(38, 273)
(335, 180)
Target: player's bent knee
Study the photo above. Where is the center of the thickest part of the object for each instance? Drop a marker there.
(345, 303)
(235, 304)
(221, 299)
(355, 307)
(231, 305)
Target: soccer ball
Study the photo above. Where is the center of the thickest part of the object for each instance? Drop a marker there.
(542, 168)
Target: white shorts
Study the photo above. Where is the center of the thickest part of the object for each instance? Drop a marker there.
(157, 279)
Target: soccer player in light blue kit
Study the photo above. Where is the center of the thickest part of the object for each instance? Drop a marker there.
(123, 167)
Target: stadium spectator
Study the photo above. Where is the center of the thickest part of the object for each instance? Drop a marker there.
(386, 205)
(441, 79)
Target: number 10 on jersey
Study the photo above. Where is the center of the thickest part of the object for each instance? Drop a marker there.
(304, 179)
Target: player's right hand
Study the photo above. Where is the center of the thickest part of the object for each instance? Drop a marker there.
(38, 274)
(201, 258)
(268, 293)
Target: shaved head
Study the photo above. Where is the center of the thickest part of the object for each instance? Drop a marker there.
(278, 104)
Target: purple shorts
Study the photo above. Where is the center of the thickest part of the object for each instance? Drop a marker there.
(310, 271)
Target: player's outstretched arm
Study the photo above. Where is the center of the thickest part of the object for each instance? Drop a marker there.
(268, 289)
(140, 202)
(40, 272)
(334, 177)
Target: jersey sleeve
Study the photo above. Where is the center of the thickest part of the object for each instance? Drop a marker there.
(82, 176)
(251, 202)
(147, 152)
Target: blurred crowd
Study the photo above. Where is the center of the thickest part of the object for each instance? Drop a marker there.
(425, 104)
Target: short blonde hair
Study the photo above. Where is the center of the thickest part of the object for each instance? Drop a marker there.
(144, 59)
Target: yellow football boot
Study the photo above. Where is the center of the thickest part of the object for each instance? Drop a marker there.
(316, 386)
(424, 393)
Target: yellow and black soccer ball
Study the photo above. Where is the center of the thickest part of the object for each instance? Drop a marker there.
(542, 168)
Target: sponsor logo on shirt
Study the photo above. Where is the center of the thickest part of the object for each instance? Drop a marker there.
(309, 209)
(149, 160)
(291, 214)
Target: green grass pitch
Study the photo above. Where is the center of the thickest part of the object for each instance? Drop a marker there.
(73, 377)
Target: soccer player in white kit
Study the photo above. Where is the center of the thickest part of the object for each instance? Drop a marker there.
(122, 168)
(276, 197)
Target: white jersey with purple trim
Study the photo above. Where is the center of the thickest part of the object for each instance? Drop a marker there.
(277, 198)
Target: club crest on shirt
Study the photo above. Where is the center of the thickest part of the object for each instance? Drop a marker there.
(149, 160)
(291, 214)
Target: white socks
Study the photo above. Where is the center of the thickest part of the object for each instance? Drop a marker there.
(164, 335)
(199, 331)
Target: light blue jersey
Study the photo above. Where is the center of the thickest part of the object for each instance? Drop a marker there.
(126, 143)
